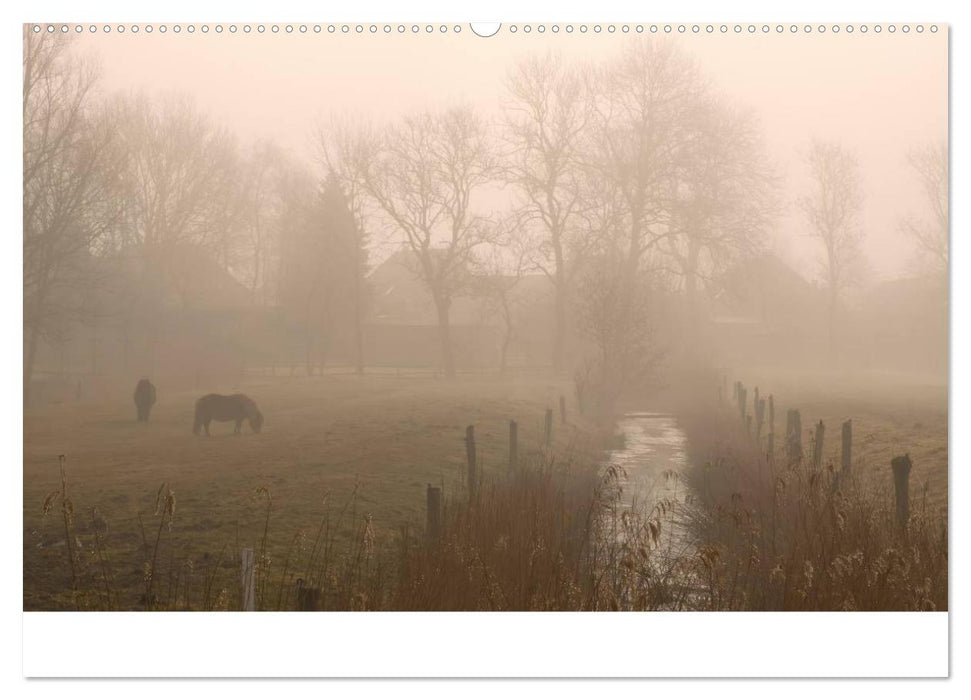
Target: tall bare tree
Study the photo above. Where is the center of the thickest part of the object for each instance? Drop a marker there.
(645, 100)
(617, 318)
(184, 173)
(722, 198)
(832, 208)
(545, 122)
(263, 178)
(501, 269)
(930, 163)
(71, 166)
(423, 178)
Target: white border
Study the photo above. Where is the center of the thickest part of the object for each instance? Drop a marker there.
(506, 645)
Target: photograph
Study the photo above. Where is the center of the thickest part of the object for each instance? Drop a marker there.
(616, 317)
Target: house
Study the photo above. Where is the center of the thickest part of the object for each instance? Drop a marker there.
(766, 313)
(401, 328)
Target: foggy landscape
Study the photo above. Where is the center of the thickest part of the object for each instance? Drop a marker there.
(429, 321)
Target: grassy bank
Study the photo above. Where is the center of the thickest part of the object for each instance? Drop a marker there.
(782, 535)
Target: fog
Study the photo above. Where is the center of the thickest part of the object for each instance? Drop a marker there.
(878, 94)
(471, 302)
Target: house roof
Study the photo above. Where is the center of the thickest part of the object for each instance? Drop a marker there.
(401, 297)
(763, 289)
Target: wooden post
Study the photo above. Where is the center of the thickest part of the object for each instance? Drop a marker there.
(562, 409)
(901, 486)
(742, 401)
(470, 456)
(308, 598)
(549, 427)
(818, 445)
(433, 514)
(248, 579)
(794, 435)
(770, 448)
(846, 455)
(759, 418)
(513, 445)
(771, 415)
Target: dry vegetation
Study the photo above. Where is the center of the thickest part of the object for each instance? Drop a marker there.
(782, 535)
(334, 512)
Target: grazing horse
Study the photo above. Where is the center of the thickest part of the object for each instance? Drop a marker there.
(237, 407)
(144, 399)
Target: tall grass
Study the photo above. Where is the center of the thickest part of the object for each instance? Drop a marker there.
(786, 536)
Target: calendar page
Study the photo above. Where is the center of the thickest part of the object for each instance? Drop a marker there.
(437, 348)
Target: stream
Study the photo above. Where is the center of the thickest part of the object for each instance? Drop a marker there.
(654, 463)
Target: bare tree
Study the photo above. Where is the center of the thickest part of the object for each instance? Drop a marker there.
(501, 270)
(71, 164)
(261, 204)
(545, 122)
(833, 208)
(423, 178)
(722, 198)
(645, 103)
(616, 317)
(930, 163)
(186, 189)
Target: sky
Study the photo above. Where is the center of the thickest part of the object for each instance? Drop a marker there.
(880, 95)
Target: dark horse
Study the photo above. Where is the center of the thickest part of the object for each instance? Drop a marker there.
(237, 407)
(144, 399)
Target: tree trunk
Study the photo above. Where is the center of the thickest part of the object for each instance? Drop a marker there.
(29, 360)
(448, 361)
(559, 320)
(358, 329)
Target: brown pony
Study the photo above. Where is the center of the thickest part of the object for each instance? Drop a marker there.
(237, 407)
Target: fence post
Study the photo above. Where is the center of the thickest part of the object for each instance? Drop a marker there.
(794, 435)
(742, 401)
(470, 456)
(433, 514)
(770, 449)
(308, 597)
(846, 455)
(513, 445)
(759, 417)
(549, 427)
(248, 576)
(901, 486)
(771, 415)
(818, 445)
(562, 409)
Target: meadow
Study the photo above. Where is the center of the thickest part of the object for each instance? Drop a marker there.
(368, 445)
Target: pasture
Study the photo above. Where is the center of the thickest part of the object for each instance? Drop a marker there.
(892, 414)
(368, 445)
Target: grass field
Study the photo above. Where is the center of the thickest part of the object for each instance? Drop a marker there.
(892, 414)
(358, 452)
(381, 438)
